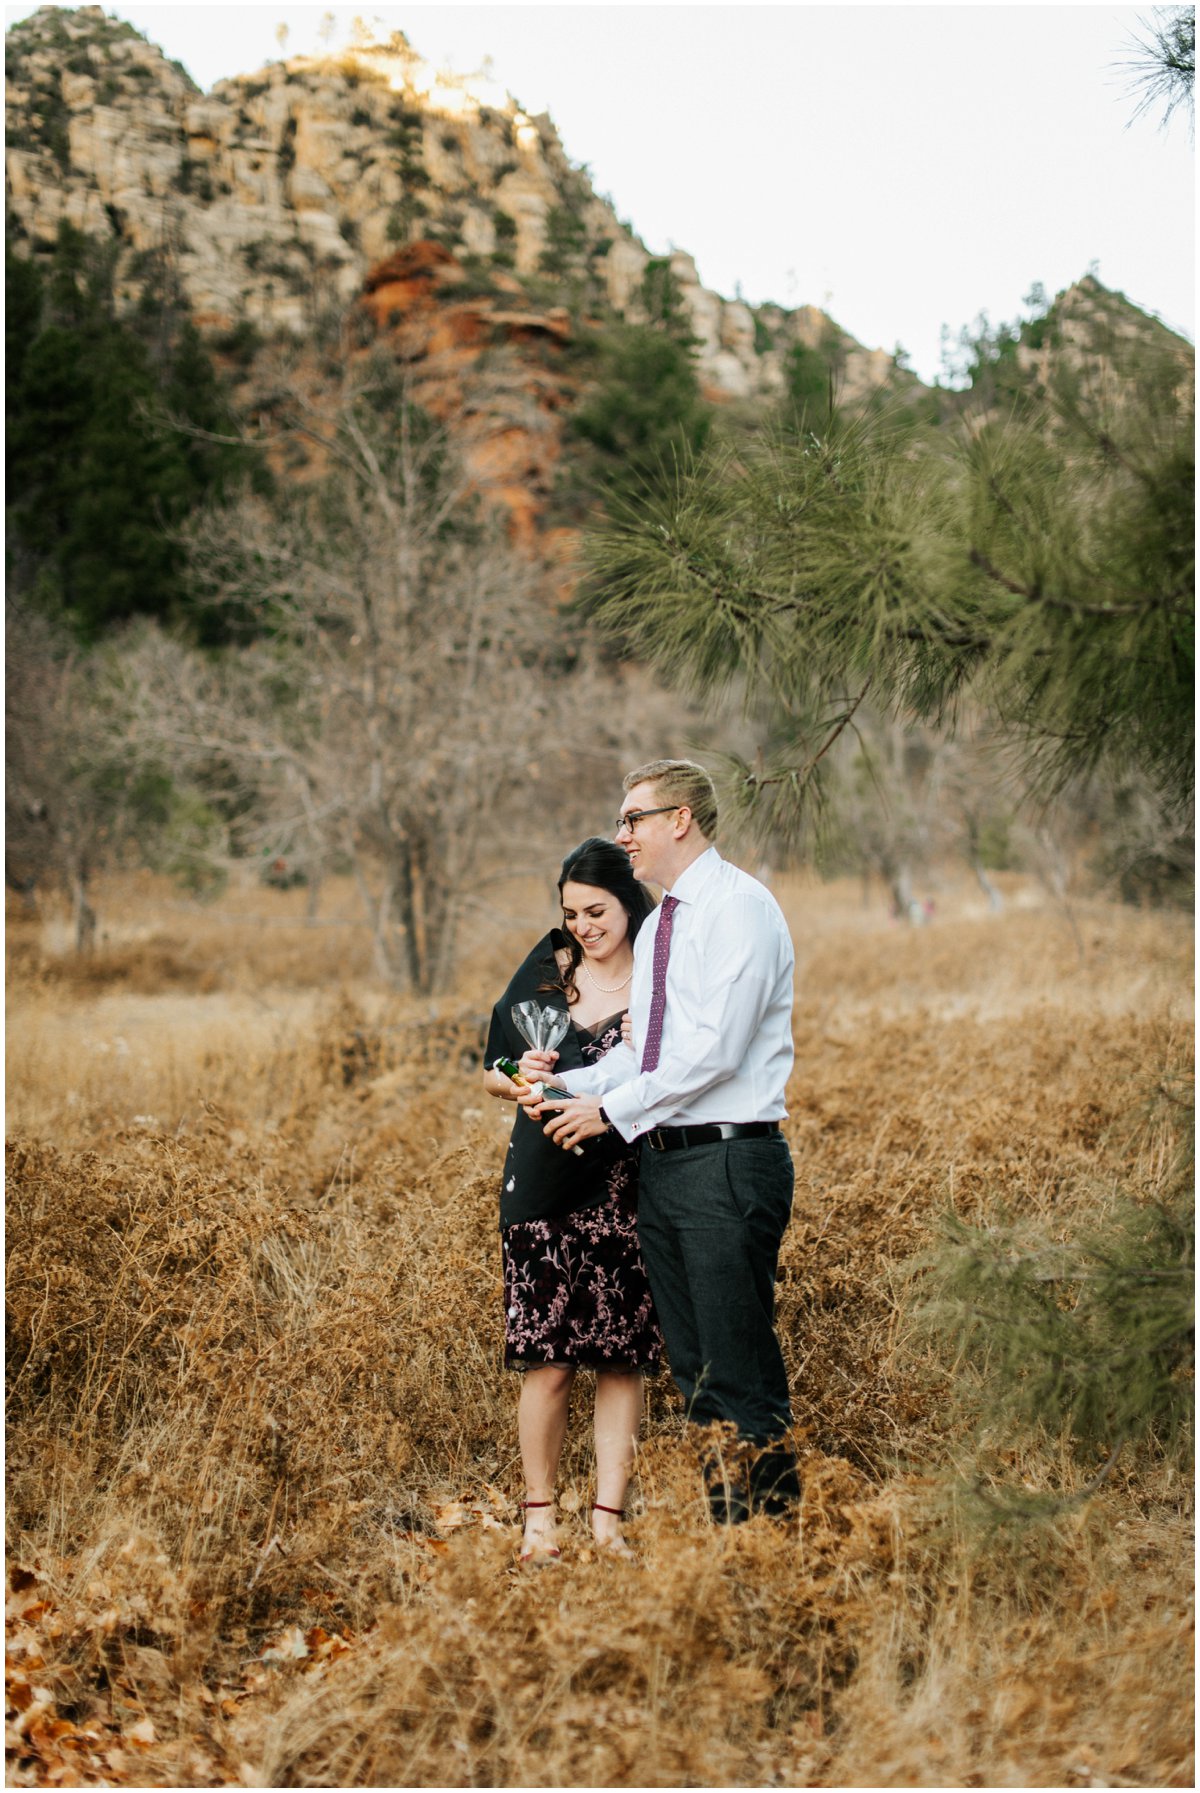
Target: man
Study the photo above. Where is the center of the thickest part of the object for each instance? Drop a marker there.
(702, 1087)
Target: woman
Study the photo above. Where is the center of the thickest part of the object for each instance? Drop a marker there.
(575, 1291)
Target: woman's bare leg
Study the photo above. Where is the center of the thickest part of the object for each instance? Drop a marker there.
(618, 1420)
(542, 1427)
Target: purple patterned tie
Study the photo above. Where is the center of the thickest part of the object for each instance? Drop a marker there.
(658, 995)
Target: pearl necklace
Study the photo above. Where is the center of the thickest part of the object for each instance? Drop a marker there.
(605, 989)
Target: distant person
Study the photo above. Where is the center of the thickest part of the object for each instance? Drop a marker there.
(701, 1091)
(575, 1290)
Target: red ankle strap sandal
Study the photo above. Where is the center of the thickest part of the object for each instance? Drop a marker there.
(533, 1553)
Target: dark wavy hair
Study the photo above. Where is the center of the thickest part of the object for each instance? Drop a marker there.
(602, 864)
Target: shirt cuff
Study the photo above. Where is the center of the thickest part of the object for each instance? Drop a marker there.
(626, 1112)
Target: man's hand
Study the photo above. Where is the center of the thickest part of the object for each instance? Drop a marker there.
(572, 1122)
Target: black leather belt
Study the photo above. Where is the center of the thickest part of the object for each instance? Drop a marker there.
(674, 1139)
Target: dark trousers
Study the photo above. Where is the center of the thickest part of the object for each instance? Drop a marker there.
(711, 1220)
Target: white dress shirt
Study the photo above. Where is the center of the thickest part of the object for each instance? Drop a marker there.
(727, 1027)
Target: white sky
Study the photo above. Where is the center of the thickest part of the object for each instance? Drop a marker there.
(903, 166)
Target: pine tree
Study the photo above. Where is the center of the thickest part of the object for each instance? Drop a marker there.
(1164, 63)
(99, 475)
(1037, 566)
(643, 412)
(1034, 569)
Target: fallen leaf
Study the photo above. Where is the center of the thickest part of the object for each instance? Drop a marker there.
(19, 1693)
(289, 1647)
(27, 1644)
(24, 1598)
(142, 1732)
(40, 1701)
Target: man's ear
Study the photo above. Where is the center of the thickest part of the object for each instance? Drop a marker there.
(682, 825)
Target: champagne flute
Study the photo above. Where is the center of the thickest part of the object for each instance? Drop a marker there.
(540, 1025)
(543, 1028)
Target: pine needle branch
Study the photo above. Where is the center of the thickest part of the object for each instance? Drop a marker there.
(799, 778)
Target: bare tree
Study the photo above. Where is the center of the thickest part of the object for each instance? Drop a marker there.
(76, 797)
(398, 703)
(905, 799)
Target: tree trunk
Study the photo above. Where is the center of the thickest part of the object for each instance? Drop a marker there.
(85, 915)
(994, 898)
(900, 884)
(25, 886)
(443, 933)
(1054, 872)
(416, 958)
(378, 910)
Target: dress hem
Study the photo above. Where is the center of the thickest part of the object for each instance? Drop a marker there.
(522, 1364)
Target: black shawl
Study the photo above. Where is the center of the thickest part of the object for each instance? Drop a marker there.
(541, 1181)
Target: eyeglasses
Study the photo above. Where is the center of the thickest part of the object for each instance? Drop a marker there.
(632, 817)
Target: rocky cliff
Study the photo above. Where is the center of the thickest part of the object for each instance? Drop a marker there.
(275, 196)
(1098, 338)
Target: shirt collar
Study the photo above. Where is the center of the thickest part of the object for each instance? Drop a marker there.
(691, 881)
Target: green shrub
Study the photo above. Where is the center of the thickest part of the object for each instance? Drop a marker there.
(1083, 1333)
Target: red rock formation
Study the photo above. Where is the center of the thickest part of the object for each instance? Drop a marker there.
(491, 370)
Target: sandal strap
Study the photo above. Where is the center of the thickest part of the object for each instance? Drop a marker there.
(598, 1507)
(535, 1503)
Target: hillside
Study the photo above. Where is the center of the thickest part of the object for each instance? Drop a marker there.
(1094, 333)
(367, 186)
(276, 195)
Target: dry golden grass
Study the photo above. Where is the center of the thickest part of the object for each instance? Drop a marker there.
(262, 1458)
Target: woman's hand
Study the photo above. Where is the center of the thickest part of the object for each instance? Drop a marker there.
(627, 1030)
(535, 1067)
(529, 1097)
(497, 1084)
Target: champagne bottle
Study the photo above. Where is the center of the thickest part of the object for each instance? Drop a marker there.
(513, 1071)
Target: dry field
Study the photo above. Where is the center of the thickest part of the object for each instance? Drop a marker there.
(261, 1457)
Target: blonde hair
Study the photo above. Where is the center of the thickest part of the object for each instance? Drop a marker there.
(682, 782)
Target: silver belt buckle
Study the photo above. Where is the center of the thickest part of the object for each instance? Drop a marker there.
(654, 1139)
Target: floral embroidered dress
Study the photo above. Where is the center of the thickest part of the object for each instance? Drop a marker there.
(575, 1288)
